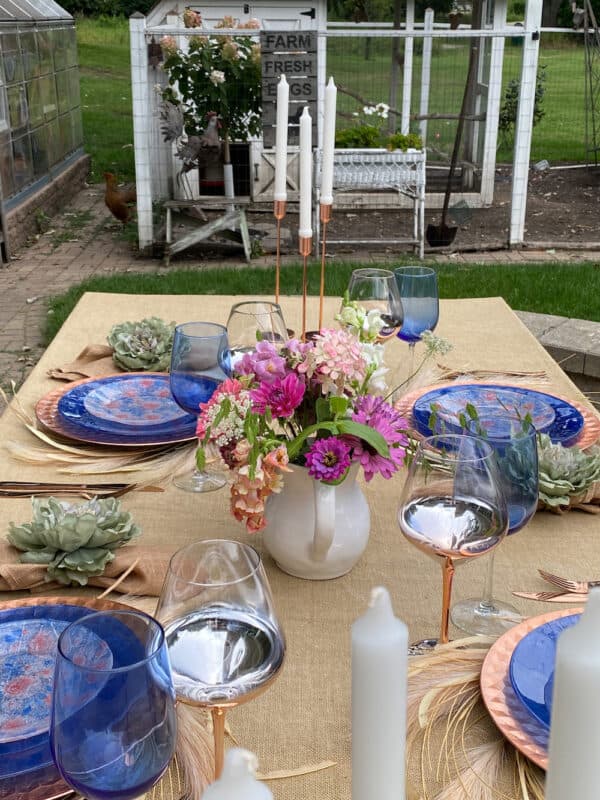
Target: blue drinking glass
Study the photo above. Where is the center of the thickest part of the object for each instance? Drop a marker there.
(200, 361)
(113, 726)
(418, 288)
(514, 441)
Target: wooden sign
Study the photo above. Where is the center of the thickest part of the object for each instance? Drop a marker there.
(293, 54)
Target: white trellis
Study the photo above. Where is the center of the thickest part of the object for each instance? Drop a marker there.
(153, 159)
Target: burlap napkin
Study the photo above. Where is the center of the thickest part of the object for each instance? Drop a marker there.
(146, 578)
(95, 360)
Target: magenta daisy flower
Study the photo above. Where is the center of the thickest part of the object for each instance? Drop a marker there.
(281, 397)
(328, 459)
(379, 415)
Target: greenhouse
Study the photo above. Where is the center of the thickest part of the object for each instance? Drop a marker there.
(41, 137)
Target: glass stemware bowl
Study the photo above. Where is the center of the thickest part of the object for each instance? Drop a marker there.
(224, 639)
(200, 361)
(514, 441)
(113, 725)
(452, 507)
(376, 290)
(418, 289)
(252, 321)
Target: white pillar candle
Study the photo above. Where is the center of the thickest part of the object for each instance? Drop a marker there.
(379, 687)
(238, 779)
(281, 139)
(573, 752)
(328, 143)
(305, 226)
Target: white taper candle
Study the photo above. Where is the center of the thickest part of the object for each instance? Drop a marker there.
(238, 779)
(281, 139)
(328, 143)
(573, 762)
(305, 226)
(379, 687)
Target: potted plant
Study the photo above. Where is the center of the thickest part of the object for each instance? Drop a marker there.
(218, 78)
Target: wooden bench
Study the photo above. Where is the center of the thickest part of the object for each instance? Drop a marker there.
(232, 224)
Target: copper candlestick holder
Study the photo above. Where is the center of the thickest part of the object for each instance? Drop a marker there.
(279, 210)
(305, 249)
(324, 216)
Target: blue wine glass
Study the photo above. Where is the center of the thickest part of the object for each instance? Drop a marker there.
(113, 726)
(200, 361)
(418, 290)
(514, 441)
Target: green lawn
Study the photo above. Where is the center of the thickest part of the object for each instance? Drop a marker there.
(545, 288)
(363, 67)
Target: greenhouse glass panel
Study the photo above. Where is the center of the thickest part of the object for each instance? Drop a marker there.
(77, 129)
(17, 106)
(11, 58)
(4, 121)
(53, 142)
(31, 62)
(71, 38)
(34, 100)
(60, 48)
(74, 91)
(66, 135)
(22, 161)
(44, 42)
(62, 90)
(48, 86)
(6, 166)
(39, 150)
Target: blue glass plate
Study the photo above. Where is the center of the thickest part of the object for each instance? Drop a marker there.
(29, 634)
(531, 667)
(565, 427)
(127, 409)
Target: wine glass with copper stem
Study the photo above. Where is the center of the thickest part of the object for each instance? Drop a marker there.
(200, 361)
(418, 288)
(376, 290)
(225, 642)
(452, 507)
(113, 725)
(514, 440)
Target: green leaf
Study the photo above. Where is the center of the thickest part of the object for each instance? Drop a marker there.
(471, 411)
(323, 409)
(339, 405)
(200, 459)
(373, 438)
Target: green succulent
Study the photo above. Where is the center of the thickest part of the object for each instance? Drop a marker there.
(74, 541)
(565, 472)
(144, 345)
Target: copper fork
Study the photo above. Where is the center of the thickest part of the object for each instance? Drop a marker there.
(579, 587)
(553, 597)
(41, 489)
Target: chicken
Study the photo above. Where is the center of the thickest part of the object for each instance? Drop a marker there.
(118, 198)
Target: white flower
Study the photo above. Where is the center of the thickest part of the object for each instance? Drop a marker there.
(369, 110)
(435, 344)
(217, 76)
(382, 110)
(374, 354)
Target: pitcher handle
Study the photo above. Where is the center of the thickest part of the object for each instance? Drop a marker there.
(324, 532)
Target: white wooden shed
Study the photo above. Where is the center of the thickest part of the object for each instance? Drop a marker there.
(154, 160)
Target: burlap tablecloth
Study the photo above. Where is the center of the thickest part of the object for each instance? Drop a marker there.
(305, 716)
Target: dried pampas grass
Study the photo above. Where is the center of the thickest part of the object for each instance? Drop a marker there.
(454, 752)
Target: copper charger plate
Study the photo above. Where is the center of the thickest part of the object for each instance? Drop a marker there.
(56, 788)
(520, 727)
(591, 421)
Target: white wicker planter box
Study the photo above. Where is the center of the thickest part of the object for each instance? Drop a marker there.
(364, 171)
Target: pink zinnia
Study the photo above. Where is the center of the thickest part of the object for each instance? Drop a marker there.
(281, 397)
(379, 415)
(328, 459)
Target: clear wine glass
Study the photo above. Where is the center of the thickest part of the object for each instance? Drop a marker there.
(200, 361)
(418, 288)
(253, 321)
(452, 506)
(376, 290)
(113, 725)
(225, 643)
(514, 441)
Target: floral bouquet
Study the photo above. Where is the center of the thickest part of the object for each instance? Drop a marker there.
(319, 404)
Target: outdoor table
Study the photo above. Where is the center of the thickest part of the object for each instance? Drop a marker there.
(305, 716)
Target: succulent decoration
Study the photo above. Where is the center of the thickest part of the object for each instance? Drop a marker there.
(142, 346)
(567, 474)
(74, 541)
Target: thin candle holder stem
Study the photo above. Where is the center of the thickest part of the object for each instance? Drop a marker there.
(325, 217)
(305, 249)
(279, 211)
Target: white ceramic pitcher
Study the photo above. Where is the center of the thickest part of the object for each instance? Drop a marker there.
(314, 530)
